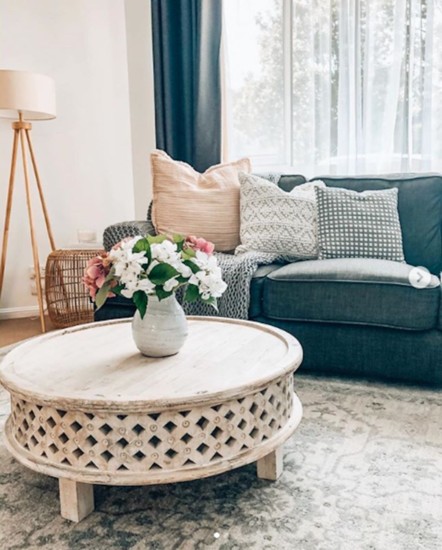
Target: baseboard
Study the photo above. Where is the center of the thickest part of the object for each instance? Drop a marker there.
(18, 312)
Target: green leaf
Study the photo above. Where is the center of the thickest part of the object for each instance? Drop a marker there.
(101, 296)
(117, 289)
(110, 275)
(194, 268)
(143, 245)
(211, 302)
(162, 294)
(156, 239)
(139, 298)
(192, 293)
(179, 240)
(162, 273)
(188, 253)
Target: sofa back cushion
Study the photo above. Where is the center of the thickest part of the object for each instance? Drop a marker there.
(190, 203)
(275, 221)
(288, 181)
(420, 212)
(359, 225)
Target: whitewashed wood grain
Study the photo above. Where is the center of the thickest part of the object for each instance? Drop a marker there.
(97, 366)
(76, 499)
(270, 466)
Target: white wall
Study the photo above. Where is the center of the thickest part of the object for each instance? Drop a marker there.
(84, 155)
(142, 106)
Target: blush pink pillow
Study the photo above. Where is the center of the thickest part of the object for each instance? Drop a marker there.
(205, 205)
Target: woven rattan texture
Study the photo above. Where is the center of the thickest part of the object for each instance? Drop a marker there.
(67, 299)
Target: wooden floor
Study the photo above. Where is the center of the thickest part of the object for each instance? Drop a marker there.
(14, 330)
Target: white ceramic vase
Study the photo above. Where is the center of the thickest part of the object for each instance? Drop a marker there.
(163, 330)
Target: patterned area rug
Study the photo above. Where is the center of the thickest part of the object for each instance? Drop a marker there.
(362, 472)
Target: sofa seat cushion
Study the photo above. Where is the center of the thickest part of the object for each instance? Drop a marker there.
(351, 291)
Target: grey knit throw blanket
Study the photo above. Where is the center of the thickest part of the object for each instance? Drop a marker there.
(237, 272)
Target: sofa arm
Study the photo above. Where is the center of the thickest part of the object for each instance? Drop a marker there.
(118, 231)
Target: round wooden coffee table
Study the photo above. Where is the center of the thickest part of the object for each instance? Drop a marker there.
(87, 407)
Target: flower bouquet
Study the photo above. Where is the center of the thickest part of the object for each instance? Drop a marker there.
(158, 266)
(149, 270)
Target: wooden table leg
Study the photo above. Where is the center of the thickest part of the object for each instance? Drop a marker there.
(76, 499)
(271, 466)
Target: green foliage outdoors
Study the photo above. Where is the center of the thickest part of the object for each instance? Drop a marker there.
(260, 115)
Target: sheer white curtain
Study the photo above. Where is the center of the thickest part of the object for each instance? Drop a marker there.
(334, 86)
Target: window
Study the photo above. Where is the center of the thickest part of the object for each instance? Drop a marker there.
(334, 86)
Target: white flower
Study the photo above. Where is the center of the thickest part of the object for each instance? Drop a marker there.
(183, 269)
(127, 264)
(209, 279)
(205, 261)
(146, 285)
(165, 252)
(134, 285)
(130, 288)
(123, 248)
(210, 284)
(127, 293)
(170, 284)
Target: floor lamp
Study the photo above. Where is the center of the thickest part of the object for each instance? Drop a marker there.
(26, 96)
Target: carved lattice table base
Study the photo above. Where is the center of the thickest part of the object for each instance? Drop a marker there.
(118, 419)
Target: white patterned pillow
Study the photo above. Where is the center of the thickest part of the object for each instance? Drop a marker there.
(275, 221)
(359, 225)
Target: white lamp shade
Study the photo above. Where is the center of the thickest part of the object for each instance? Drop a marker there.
(31, 94)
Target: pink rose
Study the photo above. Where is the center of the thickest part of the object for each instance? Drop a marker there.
(95, 274)
(198, 243)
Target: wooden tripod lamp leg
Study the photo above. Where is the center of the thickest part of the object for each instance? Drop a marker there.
(33, 236)
(21, 129)
(40, 191)
(8, 209)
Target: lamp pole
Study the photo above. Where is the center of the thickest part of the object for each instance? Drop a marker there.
(32, 96)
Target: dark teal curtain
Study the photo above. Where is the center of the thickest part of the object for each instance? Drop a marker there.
(186, 53)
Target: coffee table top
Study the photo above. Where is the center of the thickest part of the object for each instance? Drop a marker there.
(98, 367)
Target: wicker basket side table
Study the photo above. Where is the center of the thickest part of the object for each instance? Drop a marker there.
(66, 297)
